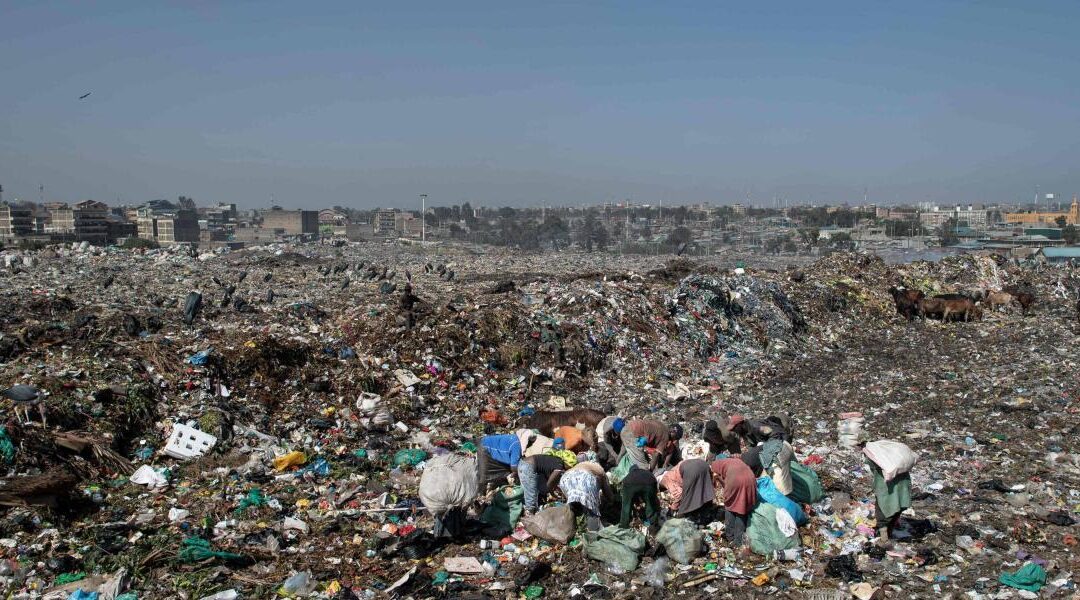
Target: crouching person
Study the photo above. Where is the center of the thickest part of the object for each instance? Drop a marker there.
(538, 475)
(448, 486)
(739, 487)
(585, 488)
(497, 458)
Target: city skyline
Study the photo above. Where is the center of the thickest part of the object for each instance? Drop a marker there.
(556, 105)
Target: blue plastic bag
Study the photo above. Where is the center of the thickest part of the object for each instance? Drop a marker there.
(766, 490)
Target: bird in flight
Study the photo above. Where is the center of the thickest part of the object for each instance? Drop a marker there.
(83, 97)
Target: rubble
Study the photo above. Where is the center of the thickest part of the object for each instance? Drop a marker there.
(256, 423)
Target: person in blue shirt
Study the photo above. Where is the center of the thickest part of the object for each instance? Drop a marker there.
(497, 457)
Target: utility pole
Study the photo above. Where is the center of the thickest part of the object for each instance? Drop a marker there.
(423, 217)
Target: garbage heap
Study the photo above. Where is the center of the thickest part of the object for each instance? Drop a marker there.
(272, 443)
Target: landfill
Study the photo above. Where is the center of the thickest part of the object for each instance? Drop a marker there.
(255, 423)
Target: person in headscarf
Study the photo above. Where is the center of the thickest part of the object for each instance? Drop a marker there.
(608, 442)
(725, 434)
(639, 436)
(689, 486)
(740, 496)
(585, 488)
(538, 474)
(640, 484)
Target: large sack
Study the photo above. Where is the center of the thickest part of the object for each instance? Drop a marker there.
(554, 524)
(767, 492)
(448, 481)
(894, 458)
(805, 484)
(764, 531)
(615, 545)
(681, 539)
(505, 509)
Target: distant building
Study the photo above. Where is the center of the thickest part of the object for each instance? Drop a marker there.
(386, 222)
(291, 222)
(1072, 217)
(167, 223)
(329, 216)
(1069, 254)
(15, 221)
(970, 216)
(738, 208)
(87, 221)
(897, 213)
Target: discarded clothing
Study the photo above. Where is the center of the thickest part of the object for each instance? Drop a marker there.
(1030, 577)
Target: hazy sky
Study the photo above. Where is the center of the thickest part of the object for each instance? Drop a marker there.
(366, 104)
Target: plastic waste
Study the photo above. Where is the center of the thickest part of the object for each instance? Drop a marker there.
(656, 573)
(299, 584)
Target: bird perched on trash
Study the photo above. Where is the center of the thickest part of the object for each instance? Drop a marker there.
(23, 397)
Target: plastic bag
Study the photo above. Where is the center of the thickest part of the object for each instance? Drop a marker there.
(621, 470)
(894, 458)
(656, 573)
(681, 540)
(616, 546)
(505, 509)
(554, 524)
(767, 492)
(409, 457)
(764, 531)
(448, 481)
(805, 484)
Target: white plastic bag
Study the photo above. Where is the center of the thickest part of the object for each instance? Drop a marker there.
(448, 481)
(786, 522)
(894, 458)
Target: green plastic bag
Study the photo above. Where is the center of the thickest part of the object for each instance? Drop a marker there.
(7, 449)
(196, 549)
(681, 539)
(764, 533)
(805, 484)
(505, 508)
(621, 470)
(614, 545)
(410, 457)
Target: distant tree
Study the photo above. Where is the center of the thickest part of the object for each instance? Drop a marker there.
(133, 243)
(1070, 234)
(507, 212)
(947, 233)
(1061, 221)
(789, 246)
(810, 236)
(593, 235)
(554, 231)
(679, 235)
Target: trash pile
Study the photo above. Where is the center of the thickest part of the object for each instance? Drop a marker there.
(257, 423)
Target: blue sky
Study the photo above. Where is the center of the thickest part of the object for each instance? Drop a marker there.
(360, 104)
